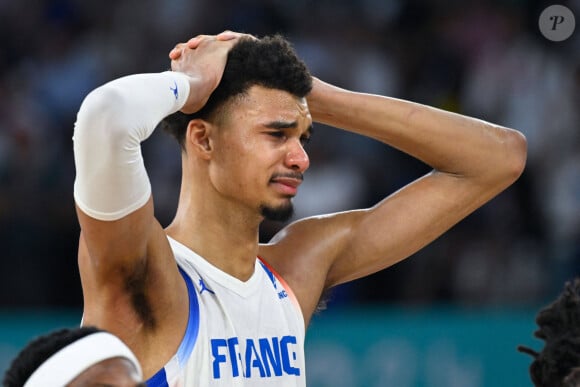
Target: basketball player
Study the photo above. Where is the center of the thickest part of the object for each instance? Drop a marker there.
(76, 357)
(201, 302)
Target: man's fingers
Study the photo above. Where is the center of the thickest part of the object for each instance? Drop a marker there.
(194, 42)
(175, 53)
(229, 35)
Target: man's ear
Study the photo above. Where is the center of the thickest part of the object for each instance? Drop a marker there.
(198, 139)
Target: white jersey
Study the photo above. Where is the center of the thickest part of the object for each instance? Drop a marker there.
(239, 333)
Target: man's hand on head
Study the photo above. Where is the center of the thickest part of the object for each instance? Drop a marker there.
(203, 58)
(194, 42)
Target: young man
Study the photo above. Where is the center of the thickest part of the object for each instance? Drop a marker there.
(76, 357)
(202, 303)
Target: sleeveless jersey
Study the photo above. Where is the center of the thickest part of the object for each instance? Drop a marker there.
(239, 333)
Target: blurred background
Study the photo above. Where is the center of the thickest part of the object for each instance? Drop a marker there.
(452, 314)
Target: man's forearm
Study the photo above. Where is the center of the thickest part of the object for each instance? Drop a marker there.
(446, 141)
(113, 120)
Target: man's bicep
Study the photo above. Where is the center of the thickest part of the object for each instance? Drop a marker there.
(405, 222)
(117, 243)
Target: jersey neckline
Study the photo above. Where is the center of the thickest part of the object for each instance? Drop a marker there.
(225, 280)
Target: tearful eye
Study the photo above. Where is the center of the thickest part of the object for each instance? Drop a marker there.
(278, 134)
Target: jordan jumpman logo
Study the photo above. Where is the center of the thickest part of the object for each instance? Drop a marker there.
(203, 287)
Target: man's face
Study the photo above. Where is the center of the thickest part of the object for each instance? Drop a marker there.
(115, 372)
(259, 156)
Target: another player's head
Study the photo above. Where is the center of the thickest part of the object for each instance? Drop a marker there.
(74, 357)
(558, 363)
(573, 378)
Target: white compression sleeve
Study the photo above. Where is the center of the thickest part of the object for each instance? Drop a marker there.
(113, 120)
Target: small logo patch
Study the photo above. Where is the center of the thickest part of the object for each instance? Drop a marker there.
(203, 287)
(174, 89)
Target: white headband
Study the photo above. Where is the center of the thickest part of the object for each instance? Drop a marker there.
(66, 364)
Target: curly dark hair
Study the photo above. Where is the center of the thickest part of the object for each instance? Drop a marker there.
(39, 350)
(573, 378)
(270, 62)
(559, 327)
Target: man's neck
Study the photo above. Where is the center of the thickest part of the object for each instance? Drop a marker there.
(228, 242)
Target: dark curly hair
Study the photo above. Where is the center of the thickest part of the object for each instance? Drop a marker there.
(39, 350)
(270, 62)
(573, 378)
(557, 363)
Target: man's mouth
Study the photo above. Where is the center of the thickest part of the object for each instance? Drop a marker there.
(287, 183)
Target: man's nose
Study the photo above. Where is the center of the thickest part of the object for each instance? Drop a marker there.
(296, 157)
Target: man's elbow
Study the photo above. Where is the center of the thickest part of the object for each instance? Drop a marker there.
(99, 117)
(514, 164)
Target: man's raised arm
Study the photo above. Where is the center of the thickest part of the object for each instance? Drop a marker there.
(473, 161)
(112, 189)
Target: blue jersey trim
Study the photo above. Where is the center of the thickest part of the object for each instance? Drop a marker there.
(186, 347)
(190, 337)
(270, 274)
(158, 380)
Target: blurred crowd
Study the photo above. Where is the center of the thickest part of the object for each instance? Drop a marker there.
(483, 58)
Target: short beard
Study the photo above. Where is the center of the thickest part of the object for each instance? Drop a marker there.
(278, 214)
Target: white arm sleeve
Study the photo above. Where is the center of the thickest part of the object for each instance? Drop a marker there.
(113, 120)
